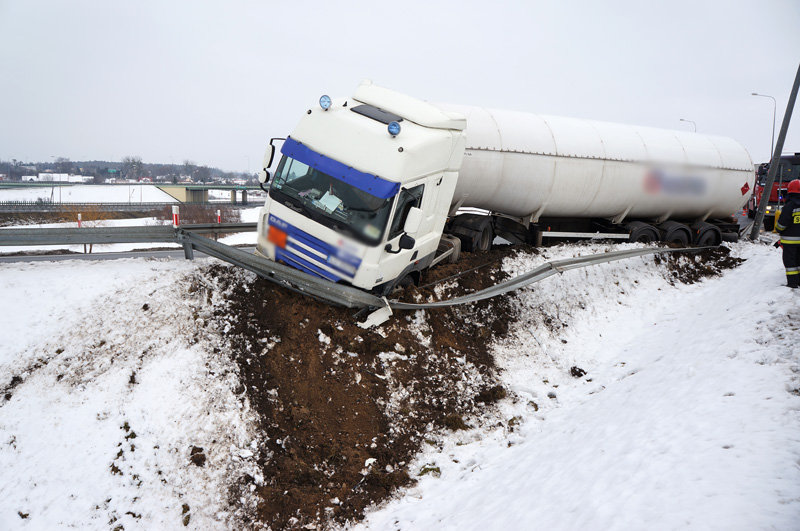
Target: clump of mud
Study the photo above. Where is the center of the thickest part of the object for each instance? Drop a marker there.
(344, 410)
(689, 268)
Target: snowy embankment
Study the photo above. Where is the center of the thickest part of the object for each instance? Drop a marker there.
(121, 407)
(116, 413)
(687, 415)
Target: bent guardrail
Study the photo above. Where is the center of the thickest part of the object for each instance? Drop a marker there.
(294, 279)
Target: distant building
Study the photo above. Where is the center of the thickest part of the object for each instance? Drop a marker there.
(59, 178)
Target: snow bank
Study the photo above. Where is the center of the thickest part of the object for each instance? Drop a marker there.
(686, 416)
(122, 414)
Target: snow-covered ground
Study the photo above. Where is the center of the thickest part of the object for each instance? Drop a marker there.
(96, 193)
(249, 215)
(110, 392)
(688, 415)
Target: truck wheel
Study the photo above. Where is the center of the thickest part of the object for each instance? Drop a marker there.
(471, 230)
(769, 223)
(485, 238)
(676, 233)
(706, 234)
(641, 232)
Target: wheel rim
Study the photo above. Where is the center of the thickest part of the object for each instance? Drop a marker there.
(485, 240)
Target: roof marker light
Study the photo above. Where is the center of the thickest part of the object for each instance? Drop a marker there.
(394, 128)
(325, 102)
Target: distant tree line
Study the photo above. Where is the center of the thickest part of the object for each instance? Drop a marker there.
(131, 167)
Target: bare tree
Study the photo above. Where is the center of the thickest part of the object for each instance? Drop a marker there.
(132, 167)
(63, 165)
(189, 169)
(202, 174)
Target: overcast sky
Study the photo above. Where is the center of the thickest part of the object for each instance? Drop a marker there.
(213, 81)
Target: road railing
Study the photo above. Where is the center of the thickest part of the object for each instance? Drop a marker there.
(22, 237)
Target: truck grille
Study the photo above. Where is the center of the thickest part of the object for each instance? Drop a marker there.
(314, 256)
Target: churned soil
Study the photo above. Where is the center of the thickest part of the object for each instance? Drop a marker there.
(689, 268)
(344, 410)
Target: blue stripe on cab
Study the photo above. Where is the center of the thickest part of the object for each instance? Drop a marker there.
(363, 181)
(303, 265)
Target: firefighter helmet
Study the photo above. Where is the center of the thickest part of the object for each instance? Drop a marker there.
(794, 187)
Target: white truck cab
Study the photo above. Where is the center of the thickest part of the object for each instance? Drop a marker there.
(363, 188)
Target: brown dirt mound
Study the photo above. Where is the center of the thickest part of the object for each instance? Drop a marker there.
(689, 268)
(344, 410)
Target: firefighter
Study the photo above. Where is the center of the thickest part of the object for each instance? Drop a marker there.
(788, 225)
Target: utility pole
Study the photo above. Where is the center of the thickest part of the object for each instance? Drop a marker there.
(776, 157)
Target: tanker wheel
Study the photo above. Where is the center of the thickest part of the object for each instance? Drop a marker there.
(679, 237)
(708, 238)
(769, 223)
(642, 232)
(708, 235)
(676, 233)
(485, 238)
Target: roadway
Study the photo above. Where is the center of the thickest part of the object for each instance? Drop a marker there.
(142, 253)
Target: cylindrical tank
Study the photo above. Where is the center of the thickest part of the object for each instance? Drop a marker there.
(523, 164)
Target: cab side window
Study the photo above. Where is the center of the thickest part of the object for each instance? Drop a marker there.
(411, 197)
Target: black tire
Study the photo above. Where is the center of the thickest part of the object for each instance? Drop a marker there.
(642, 232)
(677, 233)
(485, 238)
(706, 235)
(471, 230)
(769, 223)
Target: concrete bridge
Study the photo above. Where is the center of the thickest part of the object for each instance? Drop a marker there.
(198, 193)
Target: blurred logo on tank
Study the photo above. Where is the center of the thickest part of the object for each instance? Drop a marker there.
(658, 182)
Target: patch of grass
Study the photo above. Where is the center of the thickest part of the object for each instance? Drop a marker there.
(431, 469)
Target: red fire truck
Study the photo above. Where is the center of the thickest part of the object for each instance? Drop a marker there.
(788, 169)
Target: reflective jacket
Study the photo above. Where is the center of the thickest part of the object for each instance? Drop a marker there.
(788, 223)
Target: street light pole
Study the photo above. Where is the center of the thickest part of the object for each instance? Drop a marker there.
(691, 122)
(774, 107)
(776, 157)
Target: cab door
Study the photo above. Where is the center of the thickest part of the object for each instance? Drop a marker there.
(395, 260)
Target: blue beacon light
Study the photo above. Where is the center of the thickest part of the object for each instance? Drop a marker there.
(325, 102)
(394, 128)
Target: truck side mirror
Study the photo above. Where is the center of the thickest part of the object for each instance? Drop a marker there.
(263, 177)
(413, 220)
(268, 154)
(406, 242)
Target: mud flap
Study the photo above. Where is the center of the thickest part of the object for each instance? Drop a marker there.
(378, 317)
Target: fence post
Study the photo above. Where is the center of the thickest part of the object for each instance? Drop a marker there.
(79, 226)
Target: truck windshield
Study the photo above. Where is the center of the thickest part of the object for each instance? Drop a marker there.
(330, 201)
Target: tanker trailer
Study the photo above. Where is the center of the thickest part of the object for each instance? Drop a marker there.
(373, 189)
